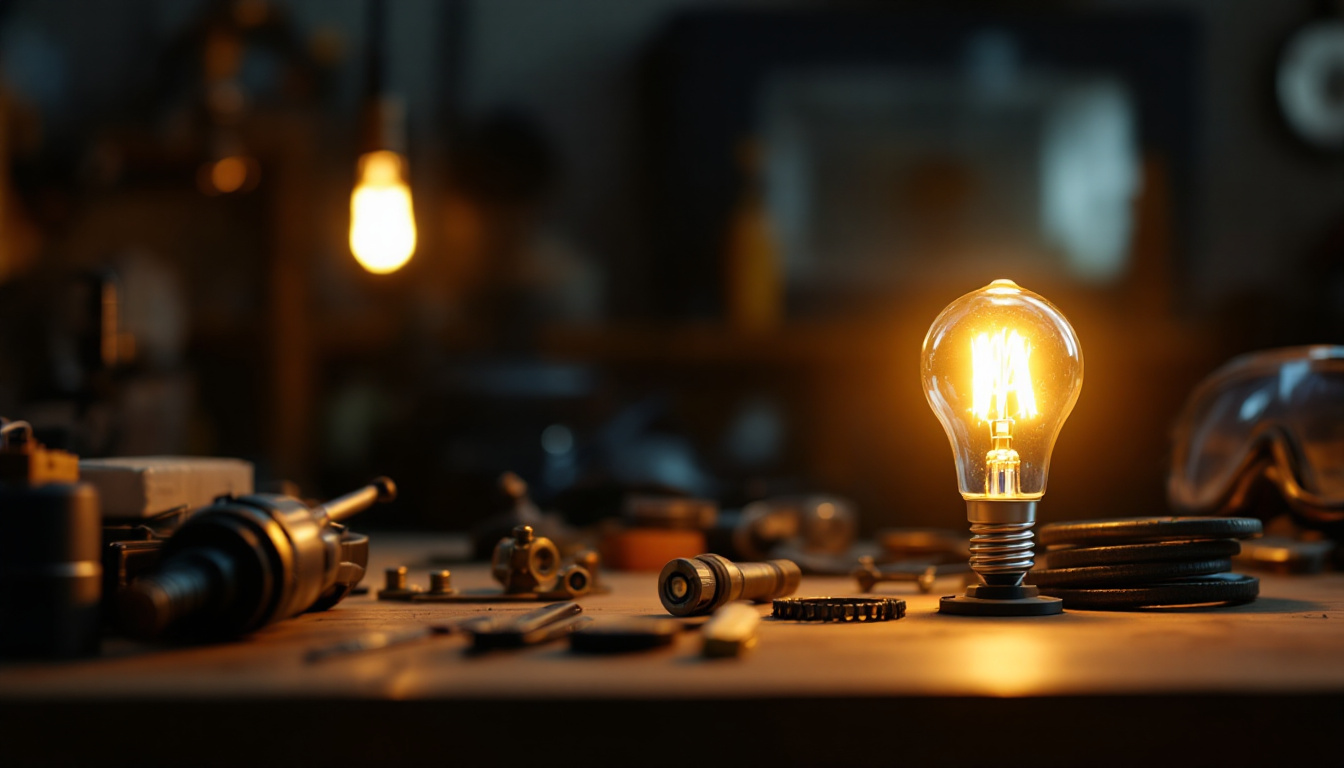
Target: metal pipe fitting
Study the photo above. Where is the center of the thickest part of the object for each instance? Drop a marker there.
(699, 585)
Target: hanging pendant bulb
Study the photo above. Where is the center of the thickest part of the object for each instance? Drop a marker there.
(382, 217)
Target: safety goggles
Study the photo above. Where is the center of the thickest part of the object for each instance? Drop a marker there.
(1272, 418)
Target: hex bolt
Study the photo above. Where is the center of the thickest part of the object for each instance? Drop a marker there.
(869, 576)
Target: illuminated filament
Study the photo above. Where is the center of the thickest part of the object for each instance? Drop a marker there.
(1002, 379)
(382, 220)
(1000, 370)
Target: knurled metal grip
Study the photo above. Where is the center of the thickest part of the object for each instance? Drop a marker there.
(699, 585)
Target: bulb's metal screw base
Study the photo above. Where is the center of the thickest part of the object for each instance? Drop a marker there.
(987, 600)
(1001, 554)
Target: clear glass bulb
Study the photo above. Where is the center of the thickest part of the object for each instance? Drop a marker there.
(1002, 369)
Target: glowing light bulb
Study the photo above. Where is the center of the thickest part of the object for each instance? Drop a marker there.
(382, 219)
(1001, 369)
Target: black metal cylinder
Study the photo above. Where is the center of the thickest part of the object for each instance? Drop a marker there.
(50, 570)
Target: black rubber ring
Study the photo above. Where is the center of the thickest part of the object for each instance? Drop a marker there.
(1226, 589)
(1151, 552)
(1132, 530)
(1126, 574)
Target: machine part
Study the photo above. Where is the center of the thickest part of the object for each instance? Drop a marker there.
(645, 550)
(1151, 552)
(243, 563)
(354, 559)
(625, 635)
(543, 625)
(124, 562)
(645, 511)
(591, 561)
(396, 586)
(525, 562)
(699, 585)
(50, 570)
(1124, 574)
(573, 581)
(731, 631)
(1223, 588)
(1133, 530)
(869, 575)
(1280, 554)
(842, 609)
(137, 488)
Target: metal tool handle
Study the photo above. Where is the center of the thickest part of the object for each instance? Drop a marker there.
(763, 582)
(342, 507)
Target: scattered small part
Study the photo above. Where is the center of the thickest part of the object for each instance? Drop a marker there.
(699, 585)
(396, 587)
(525, 562)
(441, 582)
(1148, 552)
(1220, 589)
(1126, 574)
(869, 575)
(572, 581)
(842, 609)
(731, 631)
(1131, 530)
(624, 635)
(543, 625)
(591, 561)
(440, 589)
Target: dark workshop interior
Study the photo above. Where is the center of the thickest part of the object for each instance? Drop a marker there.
(587, 264)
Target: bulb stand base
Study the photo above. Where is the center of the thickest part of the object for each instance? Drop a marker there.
(987, 600)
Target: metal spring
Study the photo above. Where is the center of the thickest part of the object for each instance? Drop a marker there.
(1001, 552)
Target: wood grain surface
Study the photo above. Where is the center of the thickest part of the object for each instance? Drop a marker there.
(1286, 646)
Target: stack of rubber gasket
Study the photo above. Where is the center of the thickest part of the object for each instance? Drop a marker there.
(1140, 562)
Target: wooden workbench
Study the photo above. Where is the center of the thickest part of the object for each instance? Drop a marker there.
(1256, 684)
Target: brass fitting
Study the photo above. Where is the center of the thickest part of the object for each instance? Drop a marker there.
(525, 562)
